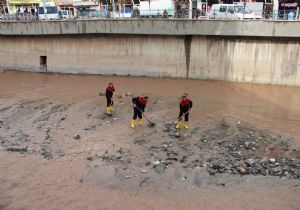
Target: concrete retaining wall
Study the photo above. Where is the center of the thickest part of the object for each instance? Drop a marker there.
(198, 57)
(122, 55)
(244, 51)
(246, 60)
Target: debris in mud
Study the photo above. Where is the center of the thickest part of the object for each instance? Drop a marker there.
(224, 147)
(126, 94)
(17, 149)
(241, 149)
(46, 153)
(63, 118)
(144, 181)
(41, 117)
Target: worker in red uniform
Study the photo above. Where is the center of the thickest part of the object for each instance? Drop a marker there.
(139, 105)
(185, 105)
(109, 95)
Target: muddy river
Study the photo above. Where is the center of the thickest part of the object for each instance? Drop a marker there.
(59, 150)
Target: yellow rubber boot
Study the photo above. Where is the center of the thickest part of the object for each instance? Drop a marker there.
(132, 124)
(111, 108)
(108, 110)
(185, 125)
(141, 122)
(178, 124)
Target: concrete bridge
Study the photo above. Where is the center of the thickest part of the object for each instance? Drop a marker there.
(244, 51)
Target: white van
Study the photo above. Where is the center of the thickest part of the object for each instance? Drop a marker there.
(156, 8)
(230, 11)
(48, 11)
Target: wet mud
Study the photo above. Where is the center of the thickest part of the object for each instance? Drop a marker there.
(57, 140)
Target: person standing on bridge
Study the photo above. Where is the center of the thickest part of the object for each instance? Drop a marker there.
(109, 95)
(185, 105)
(139, 105)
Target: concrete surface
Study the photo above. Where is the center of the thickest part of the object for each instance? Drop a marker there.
(156, 27)
(256, 60)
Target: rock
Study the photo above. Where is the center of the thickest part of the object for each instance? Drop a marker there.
(250, 162)
(264, 160)
(242, 170)
(247, 145)
(296, 174)
(160, 168)
(177, 135)
(148, 163)
(272, 160)
(212, 171)
(90, 158)
(263, 172)
(77, 137)
(277, 170)
(156, 163)
(143, 170)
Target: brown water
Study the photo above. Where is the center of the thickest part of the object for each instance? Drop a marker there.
(32, 182)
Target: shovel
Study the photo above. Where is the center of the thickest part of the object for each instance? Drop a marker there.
(151, 124)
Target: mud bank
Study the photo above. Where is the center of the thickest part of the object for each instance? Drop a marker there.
(59, 148)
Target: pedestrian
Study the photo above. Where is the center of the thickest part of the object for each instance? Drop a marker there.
(185, 105)
(109, 95)
(139, 104)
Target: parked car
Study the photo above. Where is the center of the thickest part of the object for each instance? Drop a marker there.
(230, 11)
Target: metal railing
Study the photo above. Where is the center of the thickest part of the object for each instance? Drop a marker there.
(18, 17)
(195, 14)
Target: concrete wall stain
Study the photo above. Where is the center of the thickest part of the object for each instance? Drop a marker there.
(187, 47)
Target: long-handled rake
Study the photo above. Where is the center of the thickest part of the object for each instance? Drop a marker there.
(151, 124)
(179, 118)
